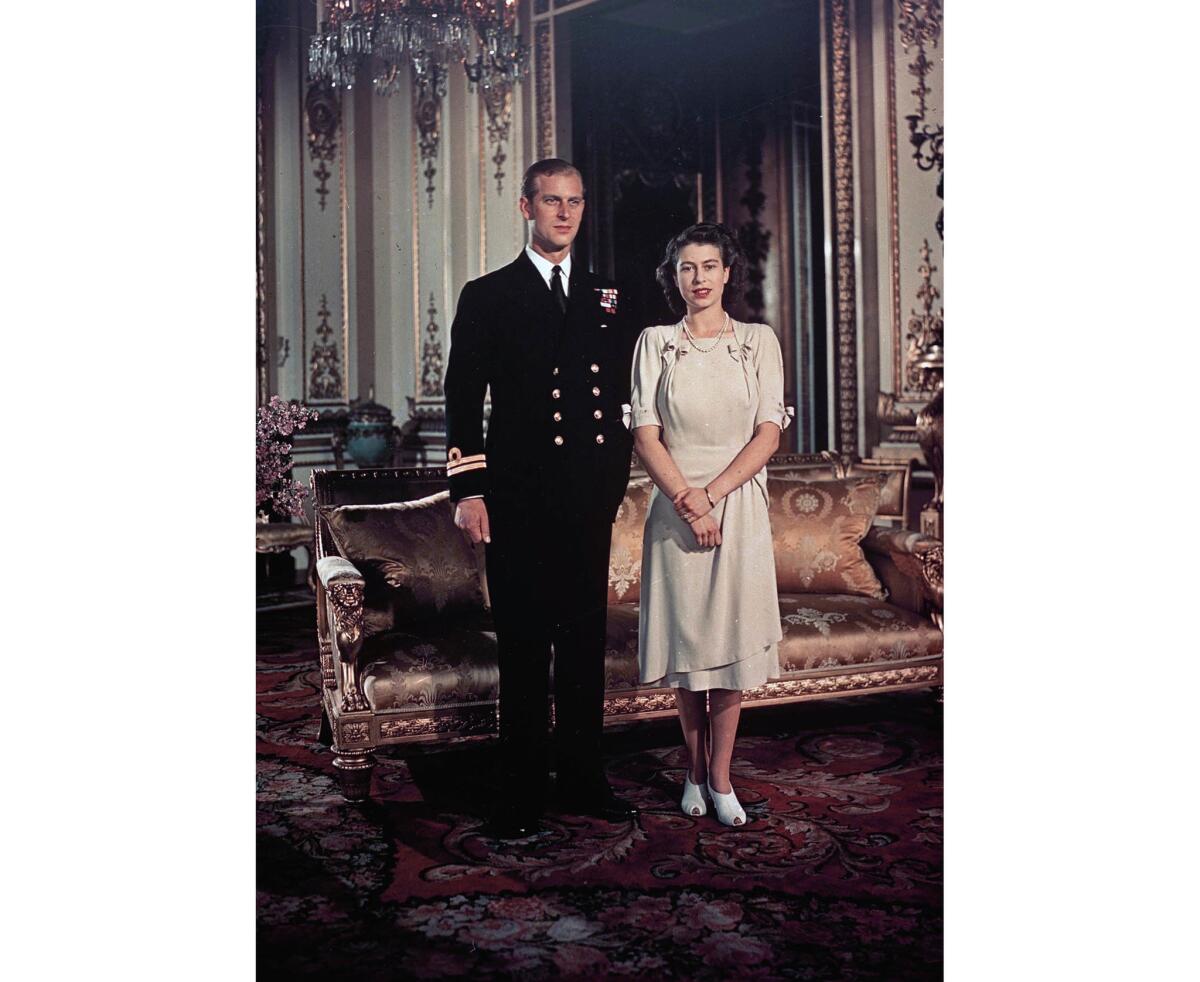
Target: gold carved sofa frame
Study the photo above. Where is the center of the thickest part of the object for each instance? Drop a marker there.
(908, 564)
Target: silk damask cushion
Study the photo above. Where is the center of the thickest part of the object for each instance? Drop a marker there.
(817, 527)
(415, 561)
(625, 556)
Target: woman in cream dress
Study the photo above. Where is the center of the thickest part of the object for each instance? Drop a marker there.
(707, 411)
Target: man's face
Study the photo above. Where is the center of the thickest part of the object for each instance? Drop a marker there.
(555, 211)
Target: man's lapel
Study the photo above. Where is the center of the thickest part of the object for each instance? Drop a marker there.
(530, 325)
(533, 292)
(577, 323)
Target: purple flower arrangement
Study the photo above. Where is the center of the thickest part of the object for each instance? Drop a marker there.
(276, 423)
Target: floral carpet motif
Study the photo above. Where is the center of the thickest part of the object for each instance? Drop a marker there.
(837, 876)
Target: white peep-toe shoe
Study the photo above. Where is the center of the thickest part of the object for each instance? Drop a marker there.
(693, 802)
(729, 809)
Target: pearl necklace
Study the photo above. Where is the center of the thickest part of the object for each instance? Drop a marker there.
(716, 340)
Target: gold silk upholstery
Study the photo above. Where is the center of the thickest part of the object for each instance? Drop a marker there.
(625, 556)
(830, 631)
(817, 527)
(449, 665)
(416, 563)
(621, 647)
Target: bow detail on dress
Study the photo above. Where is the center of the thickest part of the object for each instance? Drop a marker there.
(740, 351)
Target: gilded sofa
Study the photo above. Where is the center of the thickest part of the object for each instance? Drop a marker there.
(411, 656)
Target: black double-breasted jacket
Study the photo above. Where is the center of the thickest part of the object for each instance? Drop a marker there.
(556, 437)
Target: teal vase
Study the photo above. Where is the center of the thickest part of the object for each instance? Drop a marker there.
(370, 433)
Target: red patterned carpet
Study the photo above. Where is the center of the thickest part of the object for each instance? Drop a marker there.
(838, 876)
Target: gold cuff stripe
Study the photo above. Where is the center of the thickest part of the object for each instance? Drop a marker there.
(463, 468)
(456, 462)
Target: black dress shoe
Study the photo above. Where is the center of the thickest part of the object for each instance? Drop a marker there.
(511, 827)
(601, 804)
(512, 822)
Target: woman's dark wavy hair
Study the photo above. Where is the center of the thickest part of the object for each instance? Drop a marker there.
(706, 233)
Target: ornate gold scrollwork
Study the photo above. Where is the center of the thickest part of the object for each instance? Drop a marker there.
(790, 687)
(325, 373)
(843, 207)
(932, 571)
(497, 99)
(891, 412)
(930, 434)
(431, 354)
(328, 673)
(355, 732)
(463, 723)
(347, 600)
(639, 704)
(921, 25)
(429, 88)
(924, 356)
(323, 110)
(545, 113)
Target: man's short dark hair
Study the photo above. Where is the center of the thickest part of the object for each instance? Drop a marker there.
(706, 233)
(547, 168)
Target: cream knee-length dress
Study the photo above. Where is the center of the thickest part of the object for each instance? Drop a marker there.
(709, 618)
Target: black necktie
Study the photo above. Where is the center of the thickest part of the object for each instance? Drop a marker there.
(556, 289)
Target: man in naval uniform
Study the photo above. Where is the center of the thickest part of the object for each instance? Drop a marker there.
(554, 345)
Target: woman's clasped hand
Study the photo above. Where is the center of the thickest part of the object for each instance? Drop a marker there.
(695, 507)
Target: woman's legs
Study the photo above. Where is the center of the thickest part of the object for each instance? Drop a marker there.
(693, 717)
(724, 709)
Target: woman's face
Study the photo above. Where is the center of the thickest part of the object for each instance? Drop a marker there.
(700, 276)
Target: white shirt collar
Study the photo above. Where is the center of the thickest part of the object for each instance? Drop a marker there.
(546, 268)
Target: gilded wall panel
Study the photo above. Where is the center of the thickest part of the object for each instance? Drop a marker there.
(914, 57)
(323, 232)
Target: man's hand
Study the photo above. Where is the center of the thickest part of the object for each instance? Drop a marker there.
(707, 532)
(471, 516)
(691, 503)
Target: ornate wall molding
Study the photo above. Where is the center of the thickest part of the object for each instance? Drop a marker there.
(429, 89)
(415, 264)
(543, 76)
(844, 280)
(893, 200)
(917, 25)
(432, 367)
(498, 102)
(920, 25)
(324, 364)
(323, 114)
(923, 357)
(260, 221)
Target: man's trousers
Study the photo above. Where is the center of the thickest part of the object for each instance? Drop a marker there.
(548, 583)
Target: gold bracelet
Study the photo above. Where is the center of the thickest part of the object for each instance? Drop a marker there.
(708, 495)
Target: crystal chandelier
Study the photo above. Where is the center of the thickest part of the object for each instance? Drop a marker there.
(428, 34)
